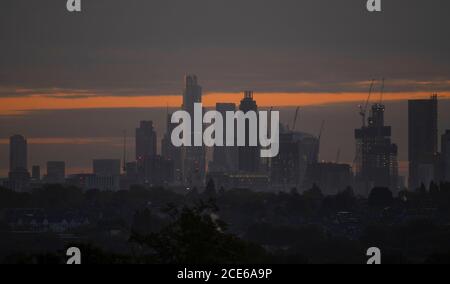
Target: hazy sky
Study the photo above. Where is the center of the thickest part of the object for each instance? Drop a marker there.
(122, 54)
(144, 47)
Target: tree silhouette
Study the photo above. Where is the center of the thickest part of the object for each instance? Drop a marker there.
(197, 236)
(380, 197)
(315, 193)
(210, 191)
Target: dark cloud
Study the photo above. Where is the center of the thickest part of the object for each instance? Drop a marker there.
(144, 47)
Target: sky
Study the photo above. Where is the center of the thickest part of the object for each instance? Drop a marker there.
(72, 82)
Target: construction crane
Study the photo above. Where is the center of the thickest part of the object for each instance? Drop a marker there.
(363, 111)
(382, 91)
(295, 118)
(319, 137)
(322, 127)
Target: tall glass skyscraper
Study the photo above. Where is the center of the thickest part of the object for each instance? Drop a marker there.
(249, 156)
(18, 154)
(194, 157)
(423, 141)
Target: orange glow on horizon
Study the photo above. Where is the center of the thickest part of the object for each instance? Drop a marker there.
(11, 106)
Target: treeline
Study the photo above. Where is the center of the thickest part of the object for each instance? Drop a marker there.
(241, 226)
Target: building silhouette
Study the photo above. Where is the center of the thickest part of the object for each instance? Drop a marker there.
(18, 154)
(92, 181)
(331, 178)
(131, 171)
(56, 172)
(172, 153)
(225, 158)
(376, 156)
(18, 177)
(107, 174)
(423, 141)
(253, 181)
(130, 176)
(249, 156)
(155, 171)
(298, 150)
(194, 157)
(146, 140)
(151, 169)
(106, 167)
(446, 156)
(192, 94)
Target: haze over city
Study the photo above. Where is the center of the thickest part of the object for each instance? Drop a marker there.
(110, 66)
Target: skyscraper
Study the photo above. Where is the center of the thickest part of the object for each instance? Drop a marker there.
(18, 155)
(170, 152)
(19, 177)
(225, 159)
(376, 156)
(146, 145)
(423, 141)
(194, 158)
(192, 93)
(249, 156)
(446, 155)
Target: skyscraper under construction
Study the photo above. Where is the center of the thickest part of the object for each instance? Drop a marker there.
(376, 161)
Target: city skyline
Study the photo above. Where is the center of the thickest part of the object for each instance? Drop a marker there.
(73, 92)
(375, 162)
(113, 145)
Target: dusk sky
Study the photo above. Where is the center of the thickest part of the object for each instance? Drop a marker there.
(71, 83)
